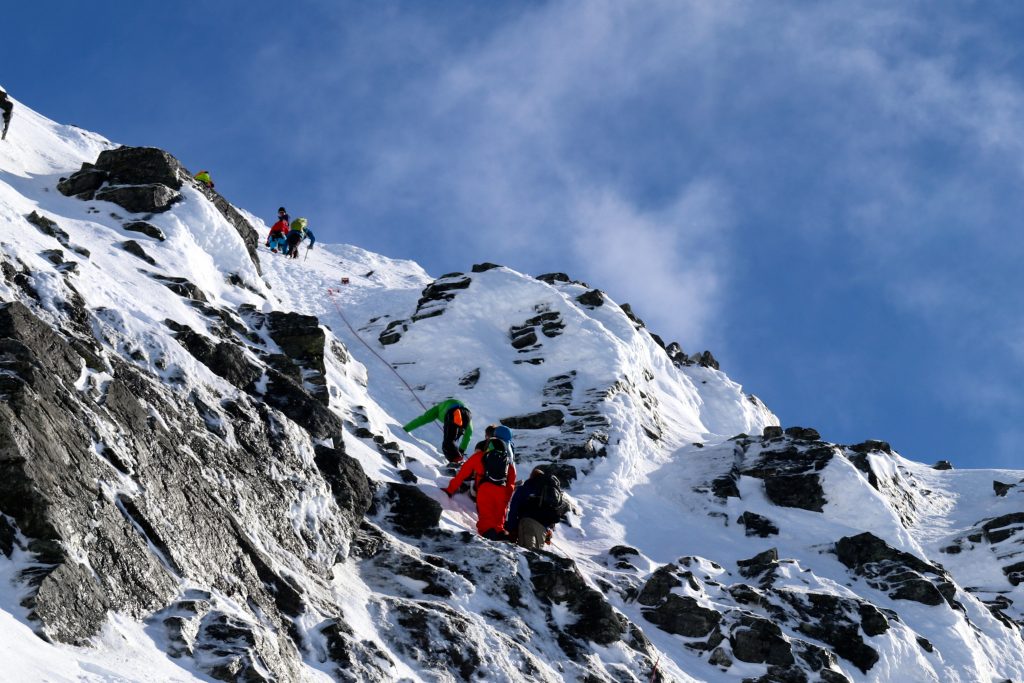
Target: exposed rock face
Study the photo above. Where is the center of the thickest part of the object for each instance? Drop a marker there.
(899, 574)
(539, 420)
(147, 229)
(140, 166)
(149, 198)
(65, 456)
(135, 249)
(757, 525)
(410, 510)
(791, 474)
(557, 580)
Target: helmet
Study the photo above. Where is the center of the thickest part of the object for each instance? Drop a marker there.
(503, 433)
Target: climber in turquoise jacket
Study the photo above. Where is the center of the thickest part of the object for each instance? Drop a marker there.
(457, 422)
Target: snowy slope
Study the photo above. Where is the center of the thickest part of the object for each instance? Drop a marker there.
(670, 495)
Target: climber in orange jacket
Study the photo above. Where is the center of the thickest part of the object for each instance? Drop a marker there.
(495, 475)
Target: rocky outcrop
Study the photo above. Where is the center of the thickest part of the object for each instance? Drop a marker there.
(538, 420)
(118, 491)
(791, 473)
(899, 574)
(147, 180)
(149, 198)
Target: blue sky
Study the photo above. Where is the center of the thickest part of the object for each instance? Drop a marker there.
(827, 195)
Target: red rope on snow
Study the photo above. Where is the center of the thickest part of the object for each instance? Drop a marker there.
(330, 294)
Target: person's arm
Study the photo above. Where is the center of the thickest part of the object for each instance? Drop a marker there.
(521, 494)
(312, 238)
(423, 419)
(467, 436)
(468, 468)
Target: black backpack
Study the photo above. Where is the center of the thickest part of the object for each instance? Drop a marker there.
(496, 462)
(548, 504)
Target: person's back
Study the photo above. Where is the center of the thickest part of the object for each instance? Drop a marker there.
(496, 476)
(204, 178)
(456, 422)
(535, 508)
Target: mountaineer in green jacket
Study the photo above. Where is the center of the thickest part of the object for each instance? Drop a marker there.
(455, 417)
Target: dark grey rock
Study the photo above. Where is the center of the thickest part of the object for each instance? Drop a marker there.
(621, 551)
(942, 465)
(141, 166)
(791, 475)
(484, 267)
(803, 434)
(759, 564)
(705, 360)
(659, 586)
(538, 420)
(796, 491)
(350, 486)
(82, 183)
(135, 249)
(760, 641)
(182, 287)
(523, 338)
(147, 229)
(1001, 488)
(48, 226)
(871, 446)
(772, 432)
(725, 487)
(469, 380)
(552, 278)
(392, 334)
(592, 298)
(756, 525)
(299, 336)
(409, 509)
(637, 322)
(684, 616)
(900, 574)
(557, 580)
(838, 621)
(152, 198)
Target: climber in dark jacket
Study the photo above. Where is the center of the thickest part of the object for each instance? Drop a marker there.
(535, 508)
(7, 106)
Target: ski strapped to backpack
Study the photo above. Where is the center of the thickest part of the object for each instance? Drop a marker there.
(496, 462)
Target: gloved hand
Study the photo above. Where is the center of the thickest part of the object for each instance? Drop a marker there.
(547, 537)
(309, 248)
(268, 243)
(450, 493)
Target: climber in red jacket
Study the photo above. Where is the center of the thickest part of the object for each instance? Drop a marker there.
(495, 475)
(277, 239)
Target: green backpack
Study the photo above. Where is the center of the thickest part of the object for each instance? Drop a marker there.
(299, 224)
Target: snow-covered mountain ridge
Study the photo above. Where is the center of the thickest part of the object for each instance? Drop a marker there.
(205, 476)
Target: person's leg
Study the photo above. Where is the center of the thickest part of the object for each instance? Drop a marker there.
(490, 506)
(450, 439)
(531, 534)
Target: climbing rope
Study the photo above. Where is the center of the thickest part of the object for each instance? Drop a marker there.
(654, 671)
(330, 293)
